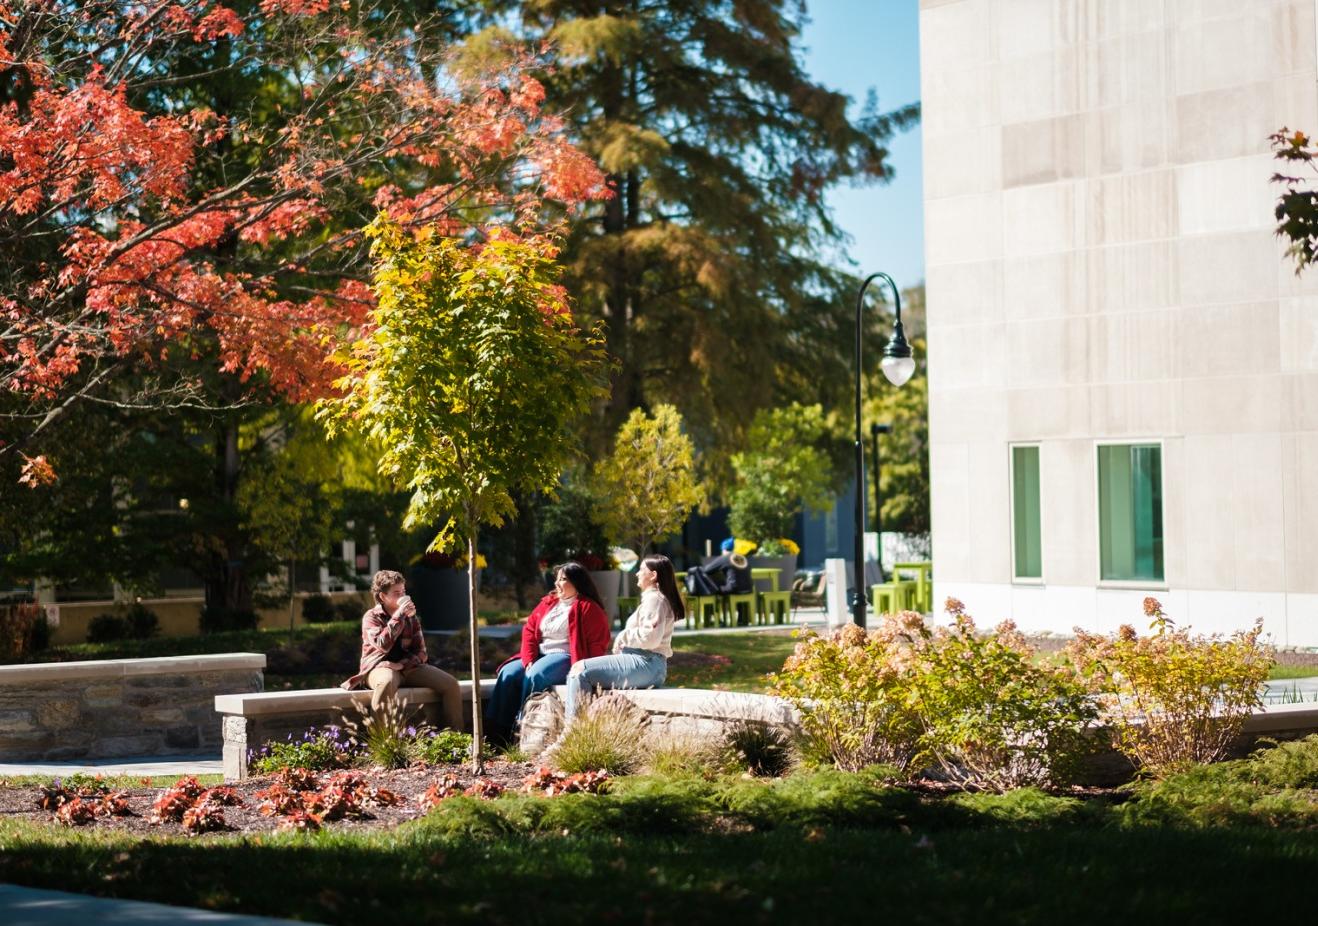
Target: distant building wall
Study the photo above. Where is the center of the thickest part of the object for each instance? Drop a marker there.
(1102, 271)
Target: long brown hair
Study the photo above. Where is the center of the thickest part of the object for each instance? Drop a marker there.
(662, 567)
(580, 578)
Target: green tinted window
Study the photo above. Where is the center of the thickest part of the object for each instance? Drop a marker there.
(1025, 521)
(1130, 512)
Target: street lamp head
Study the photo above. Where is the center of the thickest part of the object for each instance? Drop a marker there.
(898, 365)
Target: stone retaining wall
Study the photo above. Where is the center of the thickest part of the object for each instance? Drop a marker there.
(115, 708)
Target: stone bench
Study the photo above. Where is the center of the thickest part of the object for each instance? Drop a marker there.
(113, 708)
(249, 721)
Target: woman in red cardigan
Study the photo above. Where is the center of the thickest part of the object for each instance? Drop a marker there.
(568, 625)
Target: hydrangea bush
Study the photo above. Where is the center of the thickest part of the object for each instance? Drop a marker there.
(1173, 699)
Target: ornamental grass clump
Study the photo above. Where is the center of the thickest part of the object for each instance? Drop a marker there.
(610, 734)
(856, 693)
(992, 716)
(1172, 699)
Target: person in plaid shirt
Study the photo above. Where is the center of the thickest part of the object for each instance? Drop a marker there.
(394, 651)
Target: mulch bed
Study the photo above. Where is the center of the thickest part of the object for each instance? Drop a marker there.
(409, 784)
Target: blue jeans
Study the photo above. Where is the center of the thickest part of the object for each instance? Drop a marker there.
(632, 668)
(515, 684)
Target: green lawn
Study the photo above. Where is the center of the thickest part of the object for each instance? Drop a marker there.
(727, 661)
(1020, 859)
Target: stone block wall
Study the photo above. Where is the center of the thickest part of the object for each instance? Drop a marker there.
(120, 707)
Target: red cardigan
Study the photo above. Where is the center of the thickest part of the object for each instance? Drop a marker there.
(588, 631)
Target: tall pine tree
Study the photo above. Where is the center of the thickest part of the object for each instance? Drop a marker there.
(709, 263)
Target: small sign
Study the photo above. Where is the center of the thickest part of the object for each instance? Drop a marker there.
(363, 562)
(52, 615)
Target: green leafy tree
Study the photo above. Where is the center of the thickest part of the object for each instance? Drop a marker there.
(289, 503)
(471, 382)
(787, 467)
(721, 151)
(648, 486)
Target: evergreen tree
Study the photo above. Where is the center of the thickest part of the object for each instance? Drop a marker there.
(707, 265)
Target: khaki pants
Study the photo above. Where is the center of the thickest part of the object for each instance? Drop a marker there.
(385, 682)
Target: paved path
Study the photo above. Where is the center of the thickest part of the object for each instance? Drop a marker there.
(136, 767)
(26, 906)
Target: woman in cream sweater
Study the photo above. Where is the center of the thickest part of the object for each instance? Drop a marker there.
(641, 650)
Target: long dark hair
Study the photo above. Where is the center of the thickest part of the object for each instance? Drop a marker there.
(580, 578)
(662, 567)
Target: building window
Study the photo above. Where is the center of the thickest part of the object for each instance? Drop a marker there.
(1130, 512)
(1027, 537)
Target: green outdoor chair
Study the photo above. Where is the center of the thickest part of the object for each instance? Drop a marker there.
(732, 604)
(776, 606)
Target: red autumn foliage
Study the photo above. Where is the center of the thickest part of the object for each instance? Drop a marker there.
(148, 256)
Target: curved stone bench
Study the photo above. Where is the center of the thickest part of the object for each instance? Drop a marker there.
(113, 708)
(249, 721)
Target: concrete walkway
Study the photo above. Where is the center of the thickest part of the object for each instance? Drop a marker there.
(26, 906)
(135, 767)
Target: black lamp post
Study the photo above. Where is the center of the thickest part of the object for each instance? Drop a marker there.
(875, 430)
(897, 365)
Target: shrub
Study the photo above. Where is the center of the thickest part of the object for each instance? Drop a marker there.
(854, 692)
(218, 619)
(760, 747)
(142, 622)
(438, 748)
(1172, 699)
(318, 609)
(608, 735)
(318, 749)
(106, 628)
(348, 609)
(23, 630)
(994, 718)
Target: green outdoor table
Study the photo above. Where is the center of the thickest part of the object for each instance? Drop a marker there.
(924, 582)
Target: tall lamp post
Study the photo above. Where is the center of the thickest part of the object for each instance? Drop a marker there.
(897, 365)
(875, 430)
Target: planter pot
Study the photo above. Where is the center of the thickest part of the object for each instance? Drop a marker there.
(608, 582)
(441, 597)
(786, 566)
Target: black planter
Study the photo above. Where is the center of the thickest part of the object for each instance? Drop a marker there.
(441, 597)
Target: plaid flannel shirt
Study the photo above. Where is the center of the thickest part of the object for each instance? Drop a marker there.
(379, 634)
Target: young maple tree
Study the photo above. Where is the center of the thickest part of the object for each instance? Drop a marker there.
(183, 188)
(179, 180)
(471, 379)
(647, 487)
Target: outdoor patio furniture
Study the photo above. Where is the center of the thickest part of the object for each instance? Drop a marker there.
(922, 573)
(732, 605)
(890, 597)
(775, 607)
(808, 592)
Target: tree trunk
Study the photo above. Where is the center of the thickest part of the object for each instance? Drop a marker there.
(477, 731)
(292, 594)
(226, 584)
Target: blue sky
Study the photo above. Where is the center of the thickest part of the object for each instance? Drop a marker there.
(852, 45)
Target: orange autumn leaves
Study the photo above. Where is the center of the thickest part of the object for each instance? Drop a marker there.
(153, 261)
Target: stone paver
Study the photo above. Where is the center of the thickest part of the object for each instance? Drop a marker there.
(26, 906)
(134, 767)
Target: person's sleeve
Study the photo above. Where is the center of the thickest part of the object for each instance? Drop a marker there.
(647, 629)
(597, 631)
(381, 634)
(531, 638)
(418, 656)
